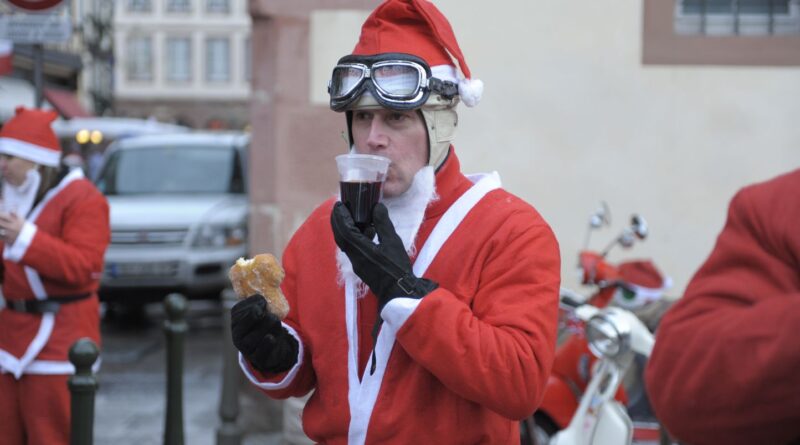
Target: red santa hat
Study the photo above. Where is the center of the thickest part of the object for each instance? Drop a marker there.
(417, 27)
(28, 135)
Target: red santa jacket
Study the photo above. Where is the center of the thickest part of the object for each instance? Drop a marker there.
(58, 252)
(725, 365)
(463, 364)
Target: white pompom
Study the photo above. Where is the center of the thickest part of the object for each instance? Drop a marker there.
(470, 91)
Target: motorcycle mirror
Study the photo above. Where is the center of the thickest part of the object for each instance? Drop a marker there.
(626, 238)
(595, 221)
(601, 217)
(639, 226)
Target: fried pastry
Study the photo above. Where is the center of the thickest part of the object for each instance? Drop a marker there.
(261, 275)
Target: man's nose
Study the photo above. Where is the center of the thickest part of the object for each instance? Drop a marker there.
(377, 138)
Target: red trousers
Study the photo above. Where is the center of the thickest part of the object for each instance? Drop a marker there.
(34, 410)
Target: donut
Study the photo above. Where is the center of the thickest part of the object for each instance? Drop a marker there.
(261, 275)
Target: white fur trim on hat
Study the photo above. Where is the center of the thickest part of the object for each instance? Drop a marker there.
(470, 91)
(444, 72)
(31, 152)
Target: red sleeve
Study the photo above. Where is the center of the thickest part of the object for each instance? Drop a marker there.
(498, 352)
(76, 257)
(305, 378)
(726, 358)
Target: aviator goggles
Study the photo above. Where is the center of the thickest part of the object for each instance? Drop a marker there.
(397, 81)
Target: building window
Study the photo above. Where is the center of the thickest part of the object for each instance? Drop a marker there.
(179, 5)
(218, 6)
(140, 59)
(737, 17)
(721, 32)
(178, 59)
(218, 59)
(248, 59)
(140, 5)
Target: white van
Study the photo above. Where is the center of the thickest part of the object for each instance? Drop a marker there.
(179, 211)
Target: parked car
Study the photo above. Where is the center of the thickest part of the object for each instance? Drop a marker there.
(84, 139)
(179, 211)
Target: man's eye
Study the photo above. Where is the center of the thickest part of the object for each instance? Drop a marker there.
(362, 115)
(397, 116)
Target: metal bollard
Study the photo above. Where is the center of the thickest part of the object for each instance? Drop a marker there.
(175, 328)
(82, 386)
(229, 432)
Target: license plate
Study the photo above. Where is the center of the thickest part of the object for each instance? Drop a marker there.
(153, 269)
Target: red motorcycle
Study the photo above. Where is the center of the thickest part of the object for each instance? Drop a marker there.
(635, 285)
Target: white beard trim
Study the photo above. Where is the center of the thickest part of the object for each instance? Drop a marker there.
(406, 212)
(19, 199)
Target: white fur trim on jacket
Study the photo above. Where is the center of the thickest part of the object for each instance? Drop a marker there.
(397, 311)
(17, 366)
(17, 250)
(50, 367)
(363, 394)
(289, 376)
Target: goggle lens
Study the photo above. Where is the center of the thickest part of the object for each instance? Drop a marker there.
(345, 80)
(397, 80)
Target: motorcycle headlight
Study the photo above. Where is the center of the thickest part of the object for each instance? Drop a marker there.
(210, 235)
(608, 334)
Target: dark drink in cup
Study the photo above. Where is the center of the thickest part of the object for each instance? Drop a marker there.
(361, 179)
(360, 198)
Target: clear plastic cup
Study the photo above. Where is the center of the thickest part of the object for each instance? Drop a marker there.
(361, 179)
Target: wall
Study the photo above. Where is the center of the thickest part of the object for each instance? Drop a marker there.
(570, 116)
(573, 117)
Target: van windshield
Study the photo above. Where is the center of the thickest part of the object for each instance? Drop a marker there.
(171, 169)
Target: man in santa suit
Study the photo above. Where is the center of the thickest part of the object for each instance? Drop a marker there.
(53, 234)
(441, 328)
(725, 365)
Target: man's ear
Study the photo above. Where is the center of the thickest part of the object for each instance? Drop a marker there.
(427, 135)
(349, 117)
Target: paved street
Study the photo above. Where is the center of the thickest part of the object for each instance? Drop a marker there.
(130, 403)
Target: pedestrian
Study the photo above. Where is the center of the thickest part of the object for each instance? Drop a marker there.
(54, 229)
(724, 367)
(94, 161)
(443, 329)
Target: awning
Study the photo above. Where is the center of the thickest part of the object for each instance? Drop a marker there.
(57, 63)
(65, 103)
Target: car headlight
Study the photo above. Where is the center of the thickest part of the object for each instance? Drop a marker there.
(608, 334)
(210, 235)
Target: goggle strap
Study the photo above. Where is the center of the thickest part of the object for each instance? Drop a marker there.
(444, 88)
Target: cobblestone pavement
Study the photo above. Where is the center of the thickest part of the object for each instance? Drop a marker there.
(130, 401)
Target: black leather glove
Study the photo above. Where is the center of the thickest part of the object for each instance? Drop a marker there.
(260, 337)
(384, 267)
